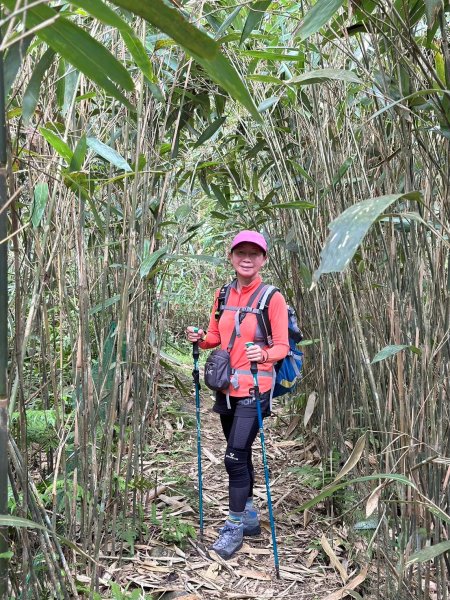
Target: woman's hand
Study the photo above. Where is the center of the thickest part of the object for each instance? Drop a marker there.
(255, 353)
(194, 334)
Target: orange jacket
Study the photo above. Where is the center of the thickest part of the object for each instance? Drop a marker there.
(219, 333)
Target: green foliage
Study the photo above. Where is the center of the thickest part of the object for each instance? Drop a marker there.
(389, 351)
(108, 153)
(41, 427)
(201, 47)
(187, 170)
(79, 48)
(119, 594)
(349, 229)
(172, 529)
(39, 204)
(254, 18)
(31, 94)
(313, 477)
(318, 16)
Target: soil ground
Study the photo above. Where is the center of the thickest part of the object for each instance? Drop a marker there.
(164, 571)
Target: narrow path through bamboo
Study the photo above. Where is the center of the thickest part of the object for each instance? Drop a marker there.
(167, 572)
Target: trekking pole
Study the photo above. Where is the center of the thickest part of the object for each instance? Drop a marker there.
(254, 371)
(196, 376)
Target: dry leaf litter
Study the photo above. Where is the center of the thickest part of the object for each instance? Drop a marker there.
(310, 569)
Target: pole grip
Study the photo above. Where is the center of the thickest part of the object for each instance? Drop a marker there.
(195, 350)
(253, 364)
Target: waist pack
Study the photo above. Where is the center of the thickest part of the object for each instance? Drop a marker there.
(288, 370)
(218, 370)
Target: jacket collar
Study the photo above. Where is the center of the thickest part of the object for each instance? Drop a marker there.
(247, 288)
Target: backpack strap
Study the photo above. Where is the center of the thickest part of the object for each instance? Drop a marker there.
(241, 312)
(222, 299)
(262, 315)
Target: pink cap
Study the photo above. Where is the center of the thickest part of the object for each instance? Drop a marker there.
(253, 237)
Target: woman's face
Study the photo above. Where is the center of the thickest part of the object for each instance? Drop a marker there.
(247, 260)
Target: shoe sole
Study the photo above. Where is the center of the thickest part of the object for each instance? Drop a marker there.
(226, 555)
(251, 531)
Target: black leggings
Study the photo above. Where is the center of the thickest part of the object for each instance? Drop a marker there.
(240, 433)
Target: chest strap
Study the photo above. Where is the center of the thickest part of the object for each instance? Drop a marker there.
(241, 312)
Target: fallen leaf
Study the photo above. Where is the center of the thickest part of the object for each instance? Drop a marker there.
(246, 549)
(334, 559)
(155, 492)
(353, 458)
(351, 585)
(306, 518)
(374, 499)
(312, 557)
(212, 572)
(292, 426)
(171, 501)
(291, 576)
(288, 444)
(310, 405)
(251, 574)
(211, 456)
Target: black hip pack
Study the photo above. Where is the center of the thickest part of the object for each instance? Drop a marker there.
(218, 370)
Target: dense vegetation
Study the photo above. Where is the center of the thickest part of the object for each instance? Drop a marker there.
(134, 151)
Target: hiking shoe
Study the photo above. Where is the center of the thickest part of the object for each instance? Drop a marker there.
(251, 523)
(230, 540)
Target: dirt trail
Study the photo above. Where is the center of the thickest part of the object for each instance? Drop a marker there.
(167, 572)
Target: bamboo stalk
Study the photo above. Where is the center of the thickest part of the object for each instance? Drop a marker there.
(4, 351)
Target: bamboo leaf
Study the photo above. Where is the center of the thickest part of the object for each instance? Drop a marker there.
(266, 79)
(373, 500)
(108, 153)
(321, 75)
(210, 131)
(317, 16)
(10, 521)
(276, 56)
(79, 155)
(389, 351)
(334, 487)
(202, 48)
(219, 195)
(429, 553)
(257, 10)
(310, 405)
(102, 305)
(150, 261)
(39, 204)
(432, 9)
(303, 205)
(335, 562)
(31, 94)
(71, 81)
(57, 143)
(301, 171)
(103, 13)
(268, 103)
(79, 48)
(228, 21)
(13, 60)
(348, 230)
(353, 458)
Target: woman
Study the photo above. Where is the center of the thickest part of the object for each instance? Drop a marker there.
(236, 405)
